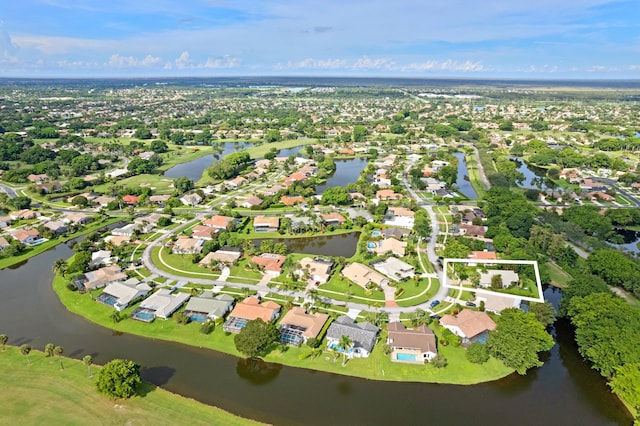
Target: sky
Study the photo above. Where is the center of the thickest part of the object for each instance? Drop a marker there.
(542, 39)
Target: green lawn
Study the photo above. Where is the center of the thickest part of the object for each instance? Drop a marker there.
(159, 184)
(41, 393)
(258, 151)
(344, 286)
(181, 262)
(559, 277)
(414, 295)
(32, 251)
(474, 175)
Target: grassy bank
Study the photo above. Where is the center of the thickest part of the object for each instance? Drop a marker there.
(378, 366)
(41, 393)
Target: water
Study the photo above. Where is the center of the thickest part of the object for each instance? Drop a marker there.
(533, 177)
(464, 185)
(565, 391)
(347, 171)
(287, 152)
(631, 240)
(327, 245)
(194, 169)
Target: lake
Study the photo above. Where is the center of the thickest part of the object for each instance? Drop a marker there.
(533, 177)
(462, 180)
(326, 245)
(193, 169)
(347, 171)
(565, 391)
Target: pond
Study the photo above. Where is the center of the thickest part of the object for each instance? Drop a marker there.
(193, 169)
(630, 241)
(347, 171)
(534, 177)
(326, 245)
(565, 391)
(462, 180)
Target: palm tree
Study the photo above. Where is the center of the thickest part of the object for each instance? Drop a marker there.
(88, 360)
(345, 344)
(3, 340)
(24, 350)
(60, 267)
(58, 351)
(48, 348)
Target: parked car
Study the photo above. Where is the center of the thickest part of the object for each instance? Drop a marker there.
(471, 304)
(434, 303)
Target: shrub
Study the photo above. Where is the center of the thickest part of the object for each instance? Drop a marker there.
(438, 361)
(207, 327)
(477, 353)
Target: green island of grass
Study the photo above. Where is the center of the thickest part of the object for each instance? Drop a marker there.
(41, 393)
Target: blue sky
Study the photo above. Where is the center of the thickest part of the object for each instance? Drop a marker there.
(413, 38)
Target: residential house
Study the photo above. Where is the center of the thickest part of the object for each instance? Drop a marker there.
(400, 217)
(149, 222)
(162, 303)
(77, 218)
(203, 232)
(117, 240)
(394, 232)
(388, 195)
(126, 231)
(390, 245)
(317, 269)
(355, 213)
(235, 182)
(224, 256)
(297, 326)
(472, 326)
(131, 200)
(187, 246)
(191, 199)
(507, 277)
(472, 230)
(100, 277)
(120, 294)
(395, 269)
(411, 346)
(4, 243)
(102, 257)
(26, 236)
(363, 275)
(103, 200)
(24, 214)
(159, 200)
(250, 309)
(5, 221)
(496, 302)
(37, 178)
(362, 335)
(266, 224)
(49, 187)
(481, 255)
(57, 227)
(271, 263)
(333, 218)
(200, 309)
(250, 201)
(292, 200)
(218, 222)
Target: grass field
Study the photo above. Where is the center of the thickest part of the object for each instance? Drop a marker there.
(41, 393)
(258, 151)
(559, 277)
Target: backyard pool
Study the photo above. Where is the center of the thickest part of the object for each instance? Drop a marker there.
(197, 318)
(376, 233)
(371, 245)
(143, 315)
(406, 357)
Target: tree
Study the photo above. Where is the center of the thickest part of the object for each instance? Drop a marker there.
(20, 203)
(58, 351)
(345, 344)
(159, 146)
(626, 384)
(88, 361)
(438, 361)
(336, 195)
(48, 348)
(3, 341)
(257, 338)
(544, 312)
(580, 286)
(182, 184)
(422, 223)
(119, 378)
(477, 353)
(25, 350)
(60, 267)
(80, 200)
(517, 340)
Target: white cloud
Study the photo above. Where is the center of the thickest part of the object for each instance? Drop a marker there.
(223, 62)
(119, 61)
(183, 61)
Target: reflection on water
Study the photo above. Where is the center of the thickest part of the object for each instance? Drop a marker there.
(256, 371)
(347, 171)
(326, 245)
(462, 180)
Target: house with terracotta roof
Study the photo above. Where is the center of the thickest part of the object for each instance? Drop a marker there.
(363, 275)
(3, 243)
(203, 232)
(235, 182)
(472, 326)
(218, 222)
(26, 236)
(270, 263)
(248, 310)
(390, 245)
(24, 214)
(100, 277)
(34, 178)
(472, 230)
(411, 346)
(131, 200)
(387, 195)
(266, 224)
(333, 218)
(250, 201)
(297, 326)
(481, 255)
(292, 200)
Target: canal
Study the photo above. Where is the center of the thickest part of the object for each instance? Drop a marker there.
(565, 391)
(326, 245)
(462, 180)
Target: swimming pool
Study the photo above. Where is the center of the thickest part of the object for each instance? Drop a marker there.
(406, 357)
(197, 318)
(376, 233)
(371, 245)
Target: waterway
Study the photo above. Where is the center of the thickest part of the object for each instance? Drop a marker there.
(565, 391)
(533, 177)
(326, 245)
(631, 241)
(347, 171)
(462, 180)
(193, 169)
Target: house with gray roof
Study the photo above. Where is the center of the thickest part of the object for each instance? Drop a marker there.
(200, 309)
(163, 303)
(120, 294)
(395, 269)
(363, 336)
(394, 232)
